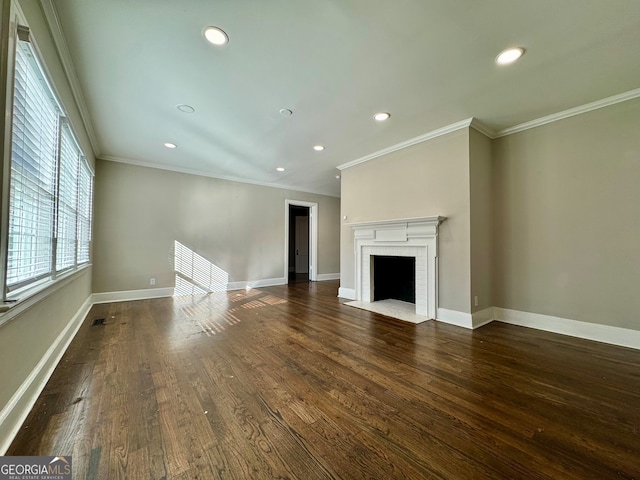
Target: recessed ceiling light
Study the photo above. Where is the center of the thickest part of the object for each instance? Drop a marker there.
(285, 112)
(216, 35)
(170, 145)
(184, 108)
(509, 55)
(280, 169)
(318, 148)
(381, 116)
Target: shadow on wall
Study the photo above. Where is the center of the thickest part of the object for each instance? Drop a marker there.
(195, 274)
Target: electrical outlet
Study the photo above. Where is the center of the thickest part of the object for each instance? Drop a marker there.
(475, 301)
(152, 281)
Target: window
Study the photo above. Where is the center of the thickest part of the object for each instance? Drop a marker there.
(85, 194)
(50, 195)
(69, 163)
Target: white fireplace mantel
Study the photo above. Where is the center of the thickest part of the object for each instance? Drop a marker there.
(434, 220)
(397, 230)
(409, 237)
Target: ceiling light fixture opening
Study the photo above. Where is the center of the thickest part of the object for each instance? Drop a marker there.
(318, 148)
(280, 169)
(381, 116)
(509, 55)
(184, 108)
(170, 145)
(216, 36)
(285, 112)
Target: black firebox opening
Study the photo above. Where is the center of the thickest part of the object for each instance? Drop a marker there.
(394, 277)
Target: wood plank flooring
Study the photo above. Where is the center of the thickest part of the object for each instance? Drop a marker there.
(288, 383)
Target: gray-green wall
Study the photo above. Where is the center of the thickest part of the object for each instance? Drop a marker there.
(481, 217)
(239, 227)
(426, 179)
(545, 221)
(567, 218)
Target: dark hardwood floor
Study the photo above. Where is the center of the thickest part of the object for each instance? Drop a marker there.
(286, 382)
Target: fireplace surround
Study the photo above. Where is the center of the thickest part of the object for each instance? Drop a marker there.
(411, 237)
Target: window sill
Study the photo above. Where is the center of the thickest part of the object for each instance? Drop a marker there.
(6, 306)
(29, 297)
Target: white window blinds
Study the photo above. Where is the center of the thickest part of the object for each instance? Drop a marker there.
(33, 173)
(50, 199)
(67, 200)
(85, 194)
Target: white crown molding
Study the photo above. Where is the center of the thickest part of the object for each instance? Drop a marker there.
(605, 102)
(55, 27)
(486, 130)
(493, 133)
(408, 143)
(51, 16)
(189, 171)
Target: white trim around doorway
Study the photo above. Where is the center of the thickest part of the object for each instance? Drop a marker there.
(313, 237)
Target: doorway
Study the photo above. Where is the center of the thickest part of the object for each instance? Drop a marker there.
(300, 238)
(298, 243)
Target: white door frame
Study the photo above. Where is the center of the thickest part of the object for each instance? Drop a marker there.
(313, 237)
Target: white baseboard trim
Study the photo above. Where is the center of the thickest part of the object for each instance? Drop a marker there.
(348, 293)
(147, 293)
(16, 410)
(328, 276)
(623, 337)
(127, 295)
(482, 317)
(454, 317)
(266, 282)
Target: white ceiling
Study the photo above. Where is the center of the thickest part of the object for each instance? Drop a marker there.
(430, 63)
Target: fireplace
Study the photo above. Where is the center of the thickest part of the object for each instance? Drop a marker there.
(416, 254)
(394, 278)
(415, 240)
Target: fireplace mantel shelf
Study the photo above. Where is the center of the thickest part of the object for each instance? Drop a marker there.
(374, 223)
